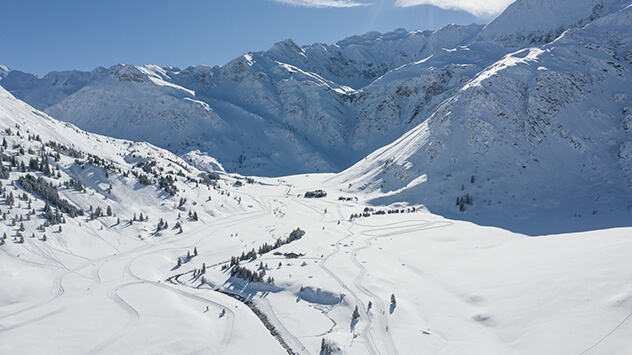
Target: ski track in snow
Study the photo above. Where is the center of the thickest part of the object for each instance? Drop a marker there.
(132, 313)
(372, 232)
(57, 290)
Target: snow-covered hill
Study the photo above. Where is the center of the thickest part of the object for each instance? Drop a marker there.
(286, 110)
(543, 132)
(537, 22)
(534, 111)
(140, 252)
(296, 109)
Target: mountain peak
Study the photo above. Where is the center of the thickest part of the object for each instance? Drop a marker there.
(4, 71)
(129, 73)
(536, 22)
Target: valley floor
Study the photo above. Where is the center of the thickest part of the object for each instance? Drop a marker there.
(108, 288)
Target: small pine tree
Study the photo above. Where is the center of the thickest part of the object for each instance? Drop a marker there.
(326, 348)
(356, 313)
(393, 300)
(194, 251)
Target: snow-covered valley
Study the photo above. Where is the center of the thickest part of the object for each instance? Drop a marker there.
(147, 271)
(460, 191)
(105, 287)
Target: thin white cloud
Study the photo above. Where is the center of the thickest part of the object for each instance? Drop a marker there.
(482, 8)
(322, 3)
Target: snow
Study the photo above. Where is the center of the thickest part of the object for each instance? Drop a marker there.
(536, 136)
(535, 22)
(459, 287)
(550, 144)
(287, 110)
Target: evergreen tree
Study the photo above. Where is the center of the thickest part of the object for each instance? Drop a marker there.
(356, 313)
(326, 348)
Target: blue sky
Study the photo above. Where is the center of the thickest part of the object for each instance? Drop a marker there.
(41, 36)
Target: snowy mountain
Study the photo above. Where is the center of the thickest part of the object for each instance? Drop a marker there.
(286, 110)
(544, 130)
(110, 246)
(4, 71)
(538, 103)
(537, 22)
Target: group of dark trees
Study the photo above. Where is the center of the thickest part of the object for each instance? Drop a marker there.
(368, 211)
(343, 198)
(326, 347)
(48, 192)
(315, 194)
(463, 200)
(294, 235)
(251, 276)
(188, 257)
(75, 184)
(65, 150)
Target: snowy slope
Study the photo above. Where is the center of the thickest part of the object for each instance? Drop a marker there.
(358, 60)
(52, 88)
(544, 131)
(294, 103)
(116, 284)
(536, 22)
(79, 268)
(293, 109)
(4, 71)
